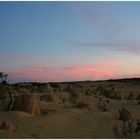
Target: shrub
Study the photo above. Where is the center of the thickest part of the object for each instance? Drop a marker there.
(131, 96)
(109, 93)
(3, 92)
(101, 105)
(49, 89)
(3, 78)
(137, 127)
(124, 129)
(50, 97)
(73, 100)
(138, 97)
(46, 97)
(124, 115)
(82, 105)
(108, 101)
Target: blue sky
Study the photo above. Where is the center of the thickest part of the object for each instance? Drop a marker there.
(66, 41)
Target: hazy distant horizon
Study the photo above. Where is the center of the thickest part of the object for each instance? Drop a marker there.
(69, 41)
(16, 82)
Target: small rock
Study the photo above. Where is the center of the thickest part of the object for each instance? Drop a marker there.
(8, 126)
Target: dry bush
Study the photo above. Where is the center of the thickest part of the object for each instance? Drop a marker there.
(3, 91)
(138, 126)
(73, 99)
(109, 93)
(62, 99)
(101, 105)
(113, 94)
(70, 101)
(99, 90)
(117, 96)
(49, 89)
(124, 129)
(46, 97)
(138, 97)
(126, 125)
(131, 96)
(89, 92)
(76, 91)
(75, 94)
(125, 115)
(62, 87)
(117, 129)
(82, 105)
(108, 101)
(50, 97)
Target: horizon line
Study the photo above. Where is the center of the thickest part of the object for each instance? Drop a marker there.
(113, 79)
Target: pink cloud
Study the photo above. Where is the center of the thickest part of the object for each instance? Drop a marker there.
(89, 72)
(136, 67)
(111, 63)
(31, 74)
(128, 76)
(102, 70)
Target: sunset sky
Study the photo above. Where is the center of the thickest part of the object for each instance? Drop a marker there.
(69, 41)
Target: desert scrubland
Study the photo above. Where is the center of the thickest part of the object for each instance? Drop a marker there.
(88, 109)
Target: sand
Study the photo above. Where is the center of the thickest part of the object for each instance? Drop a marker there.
(59, 121)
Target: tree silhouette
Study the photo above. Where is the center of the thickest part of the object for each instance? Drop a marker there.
(3, 78)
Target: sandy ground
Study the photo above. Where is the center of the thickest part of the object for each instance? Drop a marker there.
(62, 122)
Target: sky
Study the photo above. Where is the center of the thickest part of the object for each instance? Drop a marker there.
(69, 41)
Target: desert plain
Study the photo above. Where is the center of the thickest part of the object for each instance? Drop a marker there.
(84, 109)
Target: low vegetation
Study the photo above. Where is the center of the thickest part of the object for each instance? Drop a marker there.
(102, 104)
(82, 105)
(126, 126)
